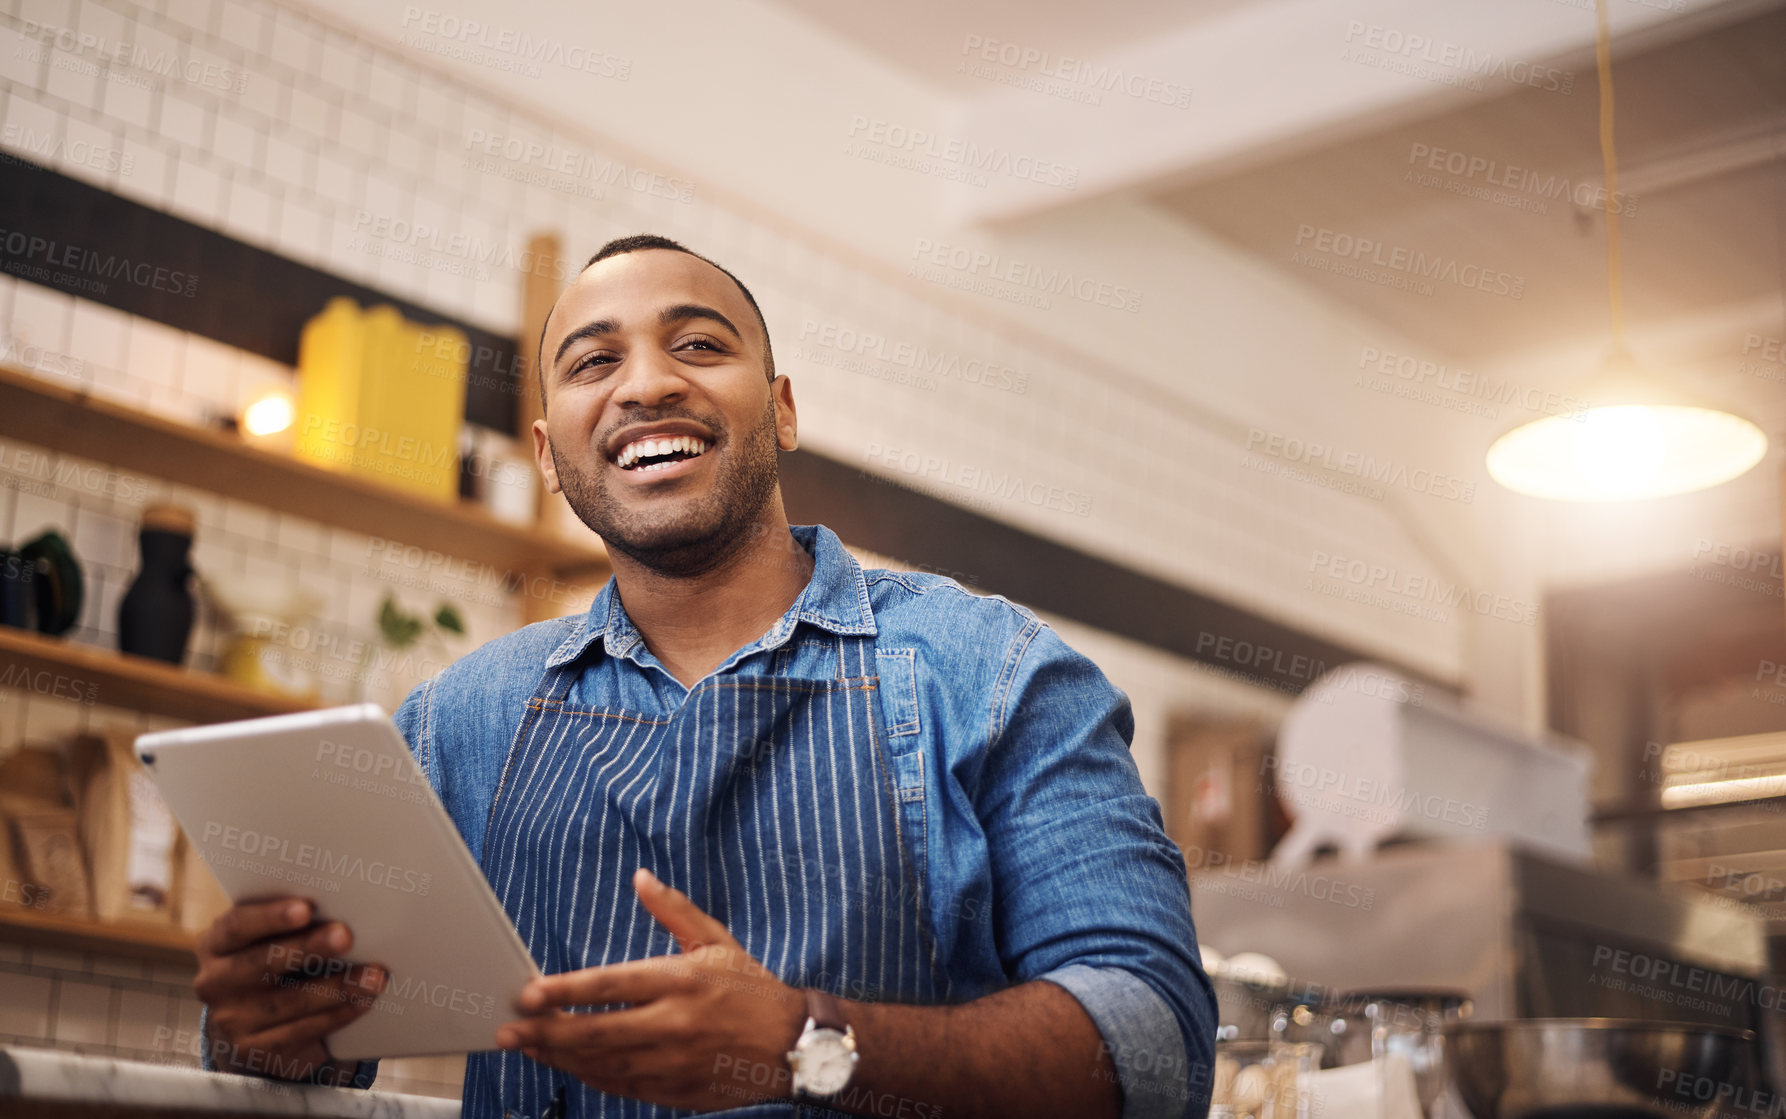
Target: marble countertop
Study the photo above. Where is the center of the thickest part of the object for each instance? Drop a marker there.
(61, 1083)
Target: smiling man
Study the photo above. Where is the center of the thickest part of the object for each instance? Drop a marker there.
(811, 836)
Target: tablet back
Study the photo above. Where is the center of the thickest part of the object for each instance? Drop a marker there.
(331, 806)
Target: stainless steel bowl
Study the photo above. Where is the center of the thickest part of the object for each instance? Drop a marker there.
(1606, 1068)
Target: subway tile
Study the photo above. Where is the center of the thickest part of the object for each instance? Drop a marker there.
(263, 90)
(31, 130)
(84, 1013)
(24, 1005)
(359, 132)
(156, 351)
(149, 173)
(242, 24)
(106, 538)
(294, 40)
(22, 59)
(129, 102)
(185, 118)
(119, 967)
(198, 192)
(344, 62)
(54, 959)
(196, 14)
(310, 112)
(49, 13)
(250, 214)
(152, 41)
(287, 161)
(108, 26)
(300, 232)
(211, 372)
(392, 85)
(338, 181)
(145, 1020)
(251, 522)
(98, 333)
(34, 513)
(236, 140)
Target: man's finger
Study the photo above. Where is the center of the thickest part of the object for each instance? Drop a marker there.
(685, 920)
(314, 996)
(312, 952)
(290, 1050)
(243, 924)
(613, 1031)
(634, 981)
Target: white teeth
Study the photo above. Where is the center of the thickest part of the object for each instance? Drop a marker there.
(658, 446)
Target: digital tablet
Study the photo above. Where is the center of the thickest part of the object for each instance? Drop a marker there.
(332, 807)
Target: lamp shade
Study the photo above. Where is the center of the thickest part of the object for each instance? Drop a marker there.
(1636, 438)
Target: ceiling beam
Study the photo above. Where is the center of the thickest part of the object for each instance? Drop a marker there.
(1276, 77)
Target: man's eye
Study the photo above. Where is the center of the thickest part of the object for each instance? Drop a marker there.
(588, 360)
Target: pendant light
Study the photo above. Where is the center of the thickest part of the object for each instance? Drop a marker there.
(1640, 435)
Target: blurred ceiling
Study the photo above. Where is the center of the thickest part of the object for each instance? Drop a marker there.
(1701, 137)
(931, 38)
(1294, 142)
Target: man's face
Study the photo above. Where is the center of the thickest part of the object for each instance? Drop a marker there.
(660, 427)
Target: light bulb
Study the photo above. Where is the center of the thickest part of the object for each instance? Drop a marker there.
(269, 415)
(1619, 450)
(1625, 452)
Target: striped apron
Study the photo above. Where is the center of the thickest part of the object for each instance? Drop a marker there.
(766, 799)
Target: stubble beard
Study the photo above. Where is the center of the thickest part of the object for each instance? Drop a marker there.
(681, 537)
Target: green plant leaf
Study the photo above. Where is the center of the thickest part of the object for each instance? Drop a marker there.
(398, 629)
(447, 618)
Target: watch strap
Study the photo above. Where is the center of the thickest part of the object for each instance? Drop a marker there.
(826, 1011)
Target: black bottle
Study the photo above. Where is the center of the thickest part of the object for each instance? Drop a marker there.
(155, 618)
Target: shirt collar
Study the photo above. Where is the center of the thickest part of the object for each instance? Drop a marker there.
(834, 599)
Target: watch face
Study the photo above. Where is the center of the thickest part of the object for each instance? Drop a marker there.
(826, 1062)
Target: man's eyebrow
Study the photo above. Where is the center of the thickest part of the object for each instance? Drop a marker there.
(587, 330)
(684, 311)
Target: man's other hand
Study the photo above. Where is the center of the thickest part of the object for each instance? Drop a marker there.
(276, 987)
(707, 1028)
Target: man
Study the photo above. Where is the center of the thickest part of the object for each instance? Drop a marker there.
(817, 834)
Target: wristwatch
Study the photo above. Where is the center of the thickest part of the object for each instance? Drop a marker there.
(824, 1057)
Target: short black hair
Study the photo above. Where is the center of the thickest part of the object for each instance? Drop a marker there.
(639, 242)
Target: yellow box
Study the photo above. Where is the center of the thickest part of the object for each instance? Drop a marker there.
(382, 397)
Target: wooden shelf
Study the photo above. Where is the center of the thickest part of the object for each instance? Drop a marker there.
(84, 673)
(166, 944)
(47, 415)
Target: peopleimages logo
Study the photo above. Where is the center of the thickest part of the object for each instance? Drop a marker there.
(1402, 52)
(1366, 467)
(1397, 266)
(297, 862)
(1512, 177)
(32, 257)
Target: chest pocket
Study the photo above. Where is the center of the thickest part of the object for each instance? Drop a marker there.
(902, 723)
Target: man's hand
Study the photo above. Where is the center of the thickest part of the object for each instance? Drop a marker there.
(277, 987)
(695, 1020)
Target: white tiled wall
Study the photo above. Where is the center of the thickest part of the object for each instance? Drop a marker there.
(327, 132)
(329, 129)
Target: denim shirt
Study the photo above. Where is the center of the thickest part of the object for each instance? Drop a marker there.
(1042, 854)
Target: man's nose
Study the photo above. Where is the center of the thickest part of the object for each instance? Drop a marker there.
(650, 377)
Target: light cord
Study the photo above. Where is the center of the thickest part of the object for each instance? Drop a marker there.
(1615, 288)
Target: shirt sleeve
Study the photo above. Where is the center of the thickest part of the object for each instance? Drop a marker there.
(412, 723)
(1089, 892)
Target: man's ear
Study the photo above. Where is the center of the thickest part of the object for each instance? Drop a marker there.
(787, 426)
(542, 453)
